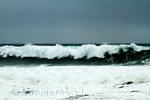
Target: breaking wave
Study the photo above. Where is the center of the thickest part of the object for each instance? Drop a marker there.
(84, 54)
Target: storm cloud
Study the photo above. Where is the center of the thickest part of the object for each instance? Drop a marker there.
(74, 21)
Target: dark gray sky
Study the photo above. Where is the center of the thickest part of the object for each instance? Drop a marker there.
(74, 21)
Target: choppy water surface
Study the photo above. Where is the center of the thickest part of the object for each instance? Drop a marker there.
(87, 72)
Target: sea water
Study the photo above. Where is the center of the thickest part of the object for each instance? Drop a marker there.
(86, 72)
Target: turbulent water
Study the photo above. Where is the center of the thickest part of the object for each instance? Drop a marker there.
(75, 55)
(85, 72)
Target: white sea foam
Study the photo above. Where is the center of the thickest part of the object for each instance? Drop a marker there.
(98, 82)
(58, 51)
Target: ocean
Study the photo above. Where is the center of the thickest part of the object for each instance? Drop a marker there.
(75, 71)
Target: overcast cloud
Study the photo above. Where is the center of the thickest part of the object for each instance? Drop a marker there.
(74, 21)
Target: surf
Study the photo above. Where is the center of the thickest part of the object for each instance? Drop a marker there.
(89, 54)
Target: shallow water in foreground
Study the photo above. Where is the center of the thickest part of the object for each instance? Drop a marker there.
(75, 83)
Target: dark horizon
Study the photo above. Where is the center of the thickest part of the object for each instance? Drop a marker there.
(70, 44)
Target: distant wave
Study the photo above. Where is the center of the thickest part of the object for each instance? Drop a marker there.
(108, 54)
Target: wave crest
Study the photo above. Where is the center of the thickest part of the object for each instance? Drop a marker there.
(59, 51)
(87, 54)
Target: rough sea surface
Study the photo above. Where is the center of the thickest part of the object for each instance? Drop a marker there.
(86, 72)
